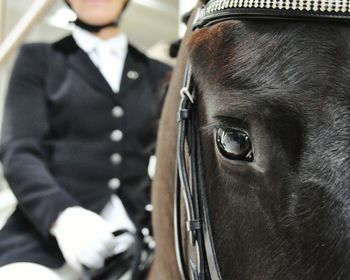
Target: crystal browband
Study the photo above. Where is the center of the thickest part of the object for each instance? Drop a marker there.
(337, 6)
(217, 10)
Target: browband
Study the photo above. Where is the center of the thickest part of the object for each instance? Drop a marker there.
(214, 11)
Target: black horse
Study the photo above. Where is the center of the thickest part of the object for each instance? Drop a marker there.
(273, 107)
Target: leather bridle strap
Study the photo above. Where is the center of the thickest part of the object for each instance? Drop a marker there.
(202, 260)
(214, 11)
(185, 183)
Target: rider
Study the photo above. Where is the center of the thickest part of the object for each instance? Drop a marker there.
(79, 128)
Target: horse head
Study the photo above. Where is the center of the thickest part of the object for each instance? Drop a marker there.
(274, 119)
(273, 110)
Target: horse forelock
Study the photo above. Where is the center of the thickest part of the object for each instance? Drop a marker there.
(290, 83)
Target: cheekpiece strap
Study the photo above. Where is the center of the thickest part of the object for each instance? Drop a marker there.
(193, 225)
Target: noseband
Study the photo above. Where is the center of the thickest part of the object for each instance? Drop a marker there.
(196, 255)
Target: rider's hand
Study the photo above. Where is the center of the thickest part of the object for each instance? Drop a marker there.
(83, 237)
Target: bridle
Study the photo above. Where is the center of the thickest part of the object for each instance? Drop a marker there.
(200, 262)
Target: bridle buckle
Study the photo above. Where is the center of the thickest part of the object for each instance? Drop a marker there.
(184, 92)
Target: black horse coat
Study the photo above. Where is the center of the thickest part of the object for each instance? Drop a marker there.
(58, 143)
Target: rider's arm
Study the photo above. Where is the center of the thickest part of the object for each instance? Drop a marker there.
(23, 151)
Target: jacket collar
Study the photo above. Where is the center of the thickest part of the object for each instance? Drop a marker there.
(82, 64)
(89, 42)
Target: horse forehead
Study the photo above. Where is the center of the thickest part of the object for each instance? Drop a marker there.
(257, 54)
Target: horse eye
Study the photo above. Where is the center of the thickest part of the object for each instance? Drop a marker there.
(234, 144)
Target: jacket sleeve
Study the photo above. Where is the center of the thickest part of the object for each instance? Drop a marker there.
(24, 131)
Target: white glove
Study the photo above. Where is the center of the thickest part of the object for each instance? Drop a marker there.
(83, 237)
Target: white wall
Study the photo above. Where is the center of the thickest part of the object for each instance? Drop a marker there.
(184, 7)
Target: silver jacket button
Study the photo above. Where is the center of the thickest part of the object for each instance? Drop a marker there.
(116, 158)
(117, 112)
(133, 75)
(114, 184)
(116, 135)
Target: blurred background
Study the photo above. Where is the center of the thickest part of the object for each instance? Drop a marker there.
(48, 20)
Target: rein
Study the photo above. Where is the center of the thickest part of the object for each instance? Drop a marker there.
(188, 178)
(200, 262)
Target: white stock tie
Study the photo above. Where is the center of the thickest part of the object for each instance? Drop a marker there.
(108, 66)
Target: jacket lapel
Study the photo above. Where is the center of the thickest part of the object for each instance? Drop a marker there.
(132, 72)
(83, 65)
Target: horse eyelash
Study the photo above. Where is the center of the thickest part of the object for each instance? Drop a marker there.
(209, 129)
(221, 122)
